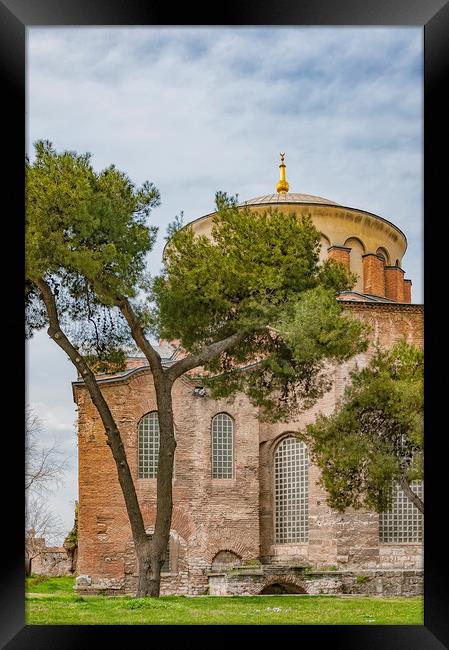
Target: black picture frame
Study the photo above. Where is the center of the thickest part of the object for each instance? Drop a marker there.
(433, 16)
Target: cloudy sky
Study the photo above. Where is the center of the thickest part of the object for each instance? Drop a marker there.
(196, 110)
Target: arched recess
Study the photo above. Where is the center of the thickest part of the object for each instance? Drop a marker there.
(324, 245)
(225, 560)
(383, 253)
(175, 560)
(284, 584)
(355, 260)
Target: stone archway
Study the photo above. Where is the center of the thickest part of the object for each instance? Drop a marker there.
(283, 585)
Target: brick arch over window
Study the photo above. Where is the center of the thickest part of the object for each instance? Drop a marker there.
(355, 260)
(291, 491)
(148, 445)
(222, 433)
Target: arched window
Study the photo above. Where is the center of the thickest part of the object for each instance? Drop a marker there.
(404, 522)
(383, 253)
(291, 482)
(222, 446)
(148, 445)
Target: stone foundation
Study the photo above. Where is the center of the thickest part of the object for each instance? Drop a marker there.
(251, 582)
(274, 579)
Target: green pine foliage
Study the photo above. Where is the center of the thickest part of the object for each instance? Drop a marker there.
(87, 235)
(260, 275)
(376, 434)
(86, 231)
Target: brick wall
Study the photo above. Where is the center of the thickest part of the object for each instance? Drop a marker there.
(394, 283)
(339, 254)
(407, 291)
(210, 515)
(373, 275)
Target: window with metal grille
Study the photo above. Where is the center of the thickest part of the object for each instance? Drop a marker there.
(148, 445)
(291, 479)
(222, 446)
(404, 522)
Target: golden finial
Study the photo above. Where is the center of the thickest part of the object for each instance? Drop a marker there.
(282, 186)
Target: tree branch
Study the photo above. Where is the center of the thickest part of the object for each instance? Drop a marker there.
(414, 498)
(138, 335)
(207, 353)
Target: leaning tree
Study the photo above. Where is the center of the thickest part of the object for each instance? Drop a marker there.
(252, 307)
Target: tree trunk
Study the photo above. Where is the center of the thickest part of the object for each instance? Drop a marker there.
(414, 498)
(114, 439)
(163, 382)
(164, 495)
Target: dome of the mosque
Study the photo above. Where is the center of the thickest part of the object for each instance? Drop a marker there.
(288, 197)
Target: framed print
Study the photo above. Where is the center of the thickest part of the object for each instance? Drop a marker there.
(267, 42)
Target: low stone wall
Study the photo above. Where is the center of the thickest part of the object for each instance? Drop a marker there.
(52, 561)
(171, 584)
(246, 581)
(252, 581)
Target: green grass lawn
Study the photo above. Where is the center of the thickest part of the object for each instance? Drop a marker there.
(51, 601)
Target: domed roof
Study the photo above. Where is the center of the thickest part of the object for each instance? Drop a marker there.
(288, 197)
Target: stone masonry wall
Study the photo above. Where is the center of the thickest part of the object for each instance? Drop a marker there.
(52, 561)
(300, 580)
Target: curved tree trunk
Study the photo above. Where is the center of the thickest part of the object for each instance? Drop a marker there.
(414, 498)
(150, 568)
(164, 496)
(142, 542)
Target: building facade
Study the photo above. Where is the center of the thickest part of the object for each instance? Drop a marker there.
(249, 515)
